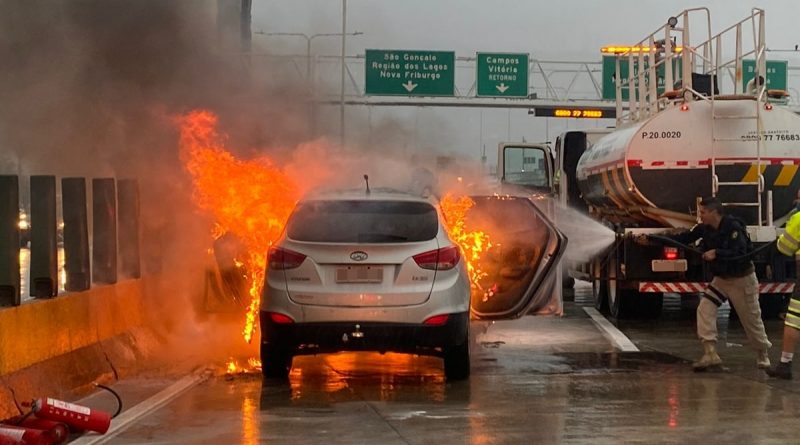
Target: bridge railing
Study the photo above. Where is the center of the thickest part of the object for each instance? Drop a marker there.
(110, 252)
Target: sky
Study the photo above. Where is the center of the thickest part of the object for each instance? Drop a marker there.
(567, 30)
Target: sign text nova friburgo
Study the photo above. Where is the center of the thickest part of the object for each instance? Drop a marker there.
(410, 73)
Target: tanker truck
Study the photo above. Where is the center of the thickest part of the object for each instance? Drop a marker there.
(669, 149)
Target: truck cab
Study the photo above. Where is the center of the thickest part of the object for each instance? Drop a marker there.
(526, 165)
(569, 147)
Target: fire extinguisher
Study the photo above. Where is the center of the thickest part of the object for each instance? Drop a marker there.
(57, 432)
(76, 416)
(17, 435)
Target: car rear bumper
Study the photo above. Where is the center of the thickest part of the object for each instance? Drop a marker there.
(313, 338)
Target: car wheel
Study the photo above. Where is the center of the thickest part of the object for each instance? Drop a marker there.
(276, 361)
(456, 361)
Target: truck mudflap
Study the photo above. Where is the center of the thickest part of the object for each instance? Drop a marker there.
(694, 287)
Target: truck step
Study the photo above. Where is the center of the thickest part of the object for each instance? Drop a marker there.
(741, 204)
(738, 183)
(735, 117)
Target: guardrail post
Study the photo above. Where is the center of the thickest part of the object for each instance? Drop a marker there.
(76, 234)
(104, 231)
(44, 251)
(9, 241)
(128, 196)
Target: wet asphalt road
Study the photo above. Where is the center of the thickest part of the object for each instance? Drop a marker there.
(534, 380)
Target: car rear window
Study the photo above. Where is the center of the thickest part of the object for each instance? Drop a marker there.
(363, 222)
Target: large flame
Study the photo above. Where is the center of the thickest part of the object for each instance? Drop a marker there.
(251, 199)
(473, 243)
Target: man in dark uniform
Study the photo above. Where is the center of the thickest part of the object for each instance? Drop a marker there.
(724, 243)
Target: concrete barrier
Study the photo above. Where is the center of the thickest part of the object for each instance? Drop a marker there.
(43, 329)
(60, 346)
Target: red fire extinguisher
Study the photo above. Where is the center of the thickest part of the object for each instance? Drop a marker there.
(17, 435)
(57, 432)
(9, 441)
(76, 416)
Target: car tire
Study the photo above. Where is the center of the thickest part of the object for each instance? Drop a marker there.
(276, 361)
(456, 361)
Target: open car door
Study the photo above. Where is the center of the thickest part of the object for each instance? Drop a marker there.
(519, 273)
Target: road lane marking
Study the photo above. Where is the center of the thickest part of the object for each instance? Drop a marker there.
(147, 407)
(611, 332)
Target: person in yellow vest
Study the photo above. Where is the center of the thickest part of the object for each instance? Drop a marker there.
(788, 245)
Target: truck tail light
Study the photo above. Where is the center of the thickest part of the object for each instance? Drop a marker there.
(670, 253)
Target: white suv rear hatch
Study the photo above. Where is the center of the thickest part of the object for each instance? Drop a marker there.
(361, 253)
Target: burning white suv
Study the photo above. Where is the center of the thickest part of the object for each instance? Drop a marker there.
(365, 271)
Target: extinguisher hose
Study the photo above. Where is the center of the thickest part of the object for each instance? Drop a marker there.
(116, 396)
(24, 416)
(668, 240)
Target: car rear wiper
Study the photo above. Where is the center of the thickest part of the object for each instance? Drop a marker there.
(378, 237)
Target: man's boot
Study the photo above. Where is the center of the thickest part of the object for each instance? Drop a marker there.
(709, 359)
(762, 360)
(781, 371)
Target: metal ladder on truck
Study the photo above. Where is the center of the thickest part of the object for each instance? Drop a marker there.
(753, 183)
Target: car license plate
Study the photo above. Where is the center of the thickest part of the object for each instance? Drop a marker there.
(359, 274)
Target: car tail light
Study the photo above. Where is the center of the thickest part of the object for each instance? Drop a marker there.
(671, 253)
(282, 259)
(437, 320)
(279, 318)
(445, 258)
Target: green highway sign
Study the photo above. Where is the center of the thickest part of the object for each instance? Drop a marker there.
(502, 75)
(410, 73)
(609, 74)
(777, 73)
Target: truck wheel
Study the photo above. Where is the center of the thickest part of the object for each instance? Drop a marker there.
(600, 294)
(599, 288)
(456, 361)
(276, 361)
(567, 288)
(621, 302)
(649, 304)
(772, 305)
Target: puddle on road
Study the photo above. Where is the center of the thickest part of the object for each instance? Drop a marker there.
(605, 362)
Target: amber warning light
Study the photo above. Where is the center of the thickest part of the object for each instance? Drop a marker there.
(636, 49)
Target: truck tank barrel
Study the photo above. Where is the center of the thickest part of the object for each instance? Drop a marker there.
(666, 162)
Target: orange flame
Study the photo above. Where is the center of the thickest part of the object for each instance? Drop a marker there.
(473, 243)
(233, 367)
(251, 199)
